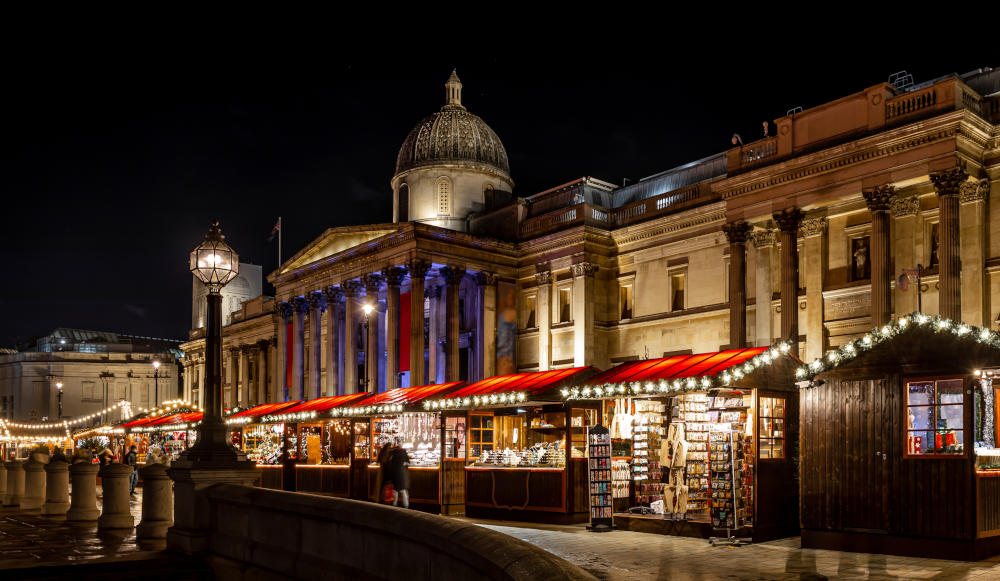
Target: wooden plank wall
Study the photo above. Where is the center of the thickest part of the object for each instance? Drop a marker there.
(847, 484)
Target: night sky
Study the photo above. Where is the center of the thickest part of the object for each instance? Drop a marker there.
(115, 161)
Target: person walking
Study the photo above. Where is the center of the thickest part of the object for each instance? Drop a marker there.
(399, 472)
(132, 459)
(384, 479)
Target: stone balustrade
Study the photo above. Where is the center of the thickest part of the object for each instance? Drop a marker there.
(56, 489)
(83, 502)
(34, 486)
(15, 484)
(115, 513)
(157, 502)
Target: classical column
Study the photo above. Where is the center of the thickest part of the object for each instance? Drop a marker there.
(814, 264)
(763, 242)
(372, 283)
(281, 354)
(486, 327)
(273, 391)
(200, 382)
(297, 390)
(418, 271)
(244, 377)
(736, 233)
(947, 183)
(453, 277)
(232, 393)
(788, 224)
(583, 312)
(905, 209)
(260, 392)
(393, 278)
(434, 335)
(352, 289)
(317, 304)
(543, 318)
(878, 200)
(973, 198)
(334, 296)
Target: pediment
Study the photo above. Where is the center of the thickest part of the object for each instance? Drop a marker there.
(335, 240)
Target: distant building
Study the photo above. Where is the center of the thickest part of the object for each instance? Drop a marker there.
(92, 369)
(247, 285)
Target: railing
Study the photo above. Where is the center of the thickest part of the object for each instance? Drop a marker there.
(758, 151)
(908, 104)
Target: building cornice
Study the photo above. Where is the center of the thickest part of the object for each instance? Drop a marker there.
(670, 224)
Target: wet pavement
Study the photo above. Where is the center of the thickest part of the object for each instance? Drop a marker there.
(626, 555)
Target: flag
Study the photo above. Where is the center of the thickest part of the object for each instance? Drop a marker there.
(275, 230)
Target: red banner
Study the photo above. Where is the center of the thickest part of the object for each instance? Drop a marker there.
(288, 362)
(404, 332)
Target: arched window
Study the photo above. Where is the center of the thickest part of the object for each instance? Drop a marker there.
(444, 197)
(404, 203)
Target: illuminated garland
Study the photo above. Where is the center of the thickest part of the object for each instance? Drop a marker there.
(477, 401)
(725, 378)
(64, 423)
(856, 347)
(167, 427)
(366, 410)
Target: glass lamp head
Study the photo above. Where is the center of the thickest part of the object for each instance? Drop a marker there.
(367, 309)
(213, 261)
(156, 364)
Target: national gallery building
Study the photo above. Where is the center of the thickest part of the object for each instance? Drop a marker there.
(812, 235)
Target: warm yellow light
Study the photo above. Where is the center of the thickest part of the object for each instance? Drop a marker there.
(368, 309)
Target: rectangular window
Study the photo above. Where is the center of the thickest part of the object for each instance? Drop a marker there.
(89, 390)
(625, 301)
(677, 294)
(565, 305)
(935, 416)
(480, 435)
(772, 428)
(529, 313)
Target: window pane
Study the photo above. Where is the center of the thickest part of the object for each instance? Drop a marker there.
(920, 443)
(950, 417)
(921, 417)
(488, 422)
(949, 391)
(921, 393)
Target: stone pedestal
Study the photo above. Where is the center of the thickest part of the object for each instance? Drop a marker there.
(34, 486)
(15, 483)
(115, 512)
(191, 530)
(157, 502)
(56, 489)
(83, 506)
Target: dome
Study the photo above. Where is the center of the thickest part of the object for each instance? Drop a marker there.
(453, 136)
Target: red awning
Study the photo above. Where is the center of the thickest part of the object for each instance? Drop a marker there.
(679, 366)
(408, 395)
(534, 383)
(264, 409)
(139, 422)
(179, 418)
(322, 404)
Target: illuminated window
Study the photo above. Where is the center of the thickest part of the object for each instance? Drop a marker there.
(772, 428)
(935, 410)
(480, 435)
(625, 301)
(444, 197)
(676, 292)
(565, 305)
(529, 312)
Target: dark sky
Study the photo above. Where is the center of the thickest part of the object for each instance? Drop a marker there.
(116, 160)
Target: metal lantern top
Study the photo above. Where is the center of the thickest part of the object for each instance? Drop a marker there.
(213, 261)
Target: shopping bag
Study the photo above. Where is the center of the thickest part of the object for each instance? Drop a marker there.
(390, 494)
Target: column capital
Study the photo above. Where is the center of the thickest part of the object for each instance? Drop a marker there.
(974, 191)
(418, 268)
(317, 300)
(351, 288)
(879, 198)
(248, 349)
(284, 309)
(371, 281)
(486, 278)
(903, 206)
(273, 342)
(393, 275)
(736, 232)
(584, 269)
(948, 181)
(333, 295)
(788, 220)
(452, 274)
(263, 344)
(432, 292)
(544, 277)
(300, 304)
(814, 227)
(764, 238)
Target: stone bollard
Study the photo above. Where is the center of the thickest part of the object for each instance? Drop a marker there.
(56, 489)
(3, 482)
(115, 513)
(83, 505)
(157, 502)
(15, 484)
(34, 486)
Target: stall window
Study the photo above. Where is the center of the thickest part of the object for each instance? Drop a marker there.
(935, 410)
(480, 435)
(456, 435)
(772, 428)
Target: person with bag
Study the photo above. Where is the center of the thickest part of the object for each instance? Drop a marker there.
(399, 472)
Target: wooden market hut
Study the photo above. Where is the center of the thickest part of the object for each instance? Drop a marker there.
(888, 461)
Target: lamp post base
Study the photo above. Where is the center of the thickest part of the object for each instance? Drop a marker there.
(192, 514)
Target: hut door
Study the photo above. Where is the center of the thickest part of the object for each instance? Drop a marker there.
(866, 473)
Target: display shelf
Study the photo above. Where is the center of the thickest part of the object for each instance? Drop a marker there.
(599, 479)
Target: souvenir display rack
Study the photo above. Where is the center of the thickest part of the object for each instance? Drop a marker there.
(599, 478)
(692, 409)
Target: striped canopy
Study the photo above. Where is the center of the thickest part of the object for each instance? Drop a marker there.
(408, 395)
(676, 367)
(264, 409)
(536, 383)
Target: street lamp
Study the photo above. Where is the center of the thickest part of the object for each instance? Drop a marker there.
(59, 387)
(214, 263)
(156, 383)
(368, 310)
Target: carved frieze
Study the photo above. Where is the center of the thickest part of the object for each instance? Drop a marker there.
(583, 269)
(544, 277)
(974, 191)
(764, 238)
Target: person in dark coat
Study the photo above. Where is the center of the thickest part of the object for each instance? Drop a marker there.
(399, 473)
(132, 459)
(384, 480)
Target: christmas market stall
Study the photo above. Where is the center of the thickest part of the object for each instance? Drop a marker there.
(899, 442)
(512, 449)
(700, 445)
(261, 442)
(398, 417)
(172, 432)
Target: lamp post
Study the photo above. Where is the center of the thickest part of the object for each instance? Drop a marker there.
(156, 383)
(368, 310)
(214, 263)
